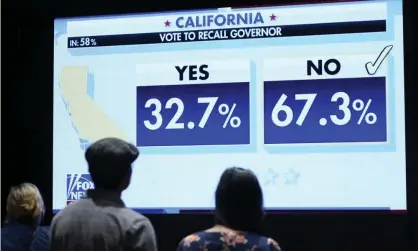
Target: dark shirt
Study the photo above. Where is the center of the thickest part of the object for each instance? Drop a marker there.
(227, 241)
(101, 222)
(21, 237)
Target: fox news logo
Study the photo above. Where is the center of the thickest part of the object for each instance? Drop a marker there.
(77, 185)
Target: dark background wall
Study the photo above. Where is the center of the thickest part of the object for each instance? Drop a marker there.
(27, 61)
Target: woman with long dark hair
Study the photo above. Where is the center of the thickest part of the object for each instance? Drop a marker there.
(239, 214)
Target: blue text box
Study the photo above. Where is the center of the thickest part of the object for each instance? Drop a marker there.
(318, 125)
(216, 131)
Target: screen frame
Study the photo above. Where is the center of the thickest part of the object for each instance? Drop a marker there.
(176, 9)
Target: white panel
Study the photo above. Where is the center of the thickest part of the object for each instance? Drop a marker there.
(219, 72)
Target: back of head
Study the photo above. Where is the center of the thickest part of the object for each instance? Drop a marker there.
(25, 204)
(110, 161)
(239, 200)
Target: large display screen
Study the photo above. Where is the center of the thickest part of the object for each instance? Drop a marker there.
(309, 97)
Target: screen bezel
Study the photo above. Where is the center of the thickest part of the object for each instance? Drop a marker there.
(190, 10)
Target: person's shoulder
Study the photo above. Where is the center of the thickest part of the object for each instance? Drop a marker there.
(195, 236)
(134, 214)
(43, 231)
(131, 215)
(74, 208)
(191, 240)
(63, 211)
(136, 227)
(273, 245)
(130, 220)
(41, 240)
(264, 241)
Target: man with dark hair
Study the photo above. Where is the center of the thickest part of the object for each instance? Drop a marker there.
(100, 221)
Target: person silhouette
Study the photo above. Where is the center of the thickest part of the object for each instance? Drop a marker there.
(100, 221)
(238, 217)
(25, 211)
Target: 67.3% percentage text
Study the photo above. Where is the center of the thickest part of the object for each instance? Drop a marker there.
(343, 98)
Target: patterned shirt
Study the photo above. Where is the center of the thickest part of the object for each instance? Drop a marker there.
(227, 241)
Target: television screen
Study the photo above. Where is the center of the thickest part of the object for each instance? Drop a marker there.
(309, 97)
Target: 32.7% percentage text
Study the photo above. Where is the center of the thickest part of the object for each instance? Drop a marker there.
(211, 103)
